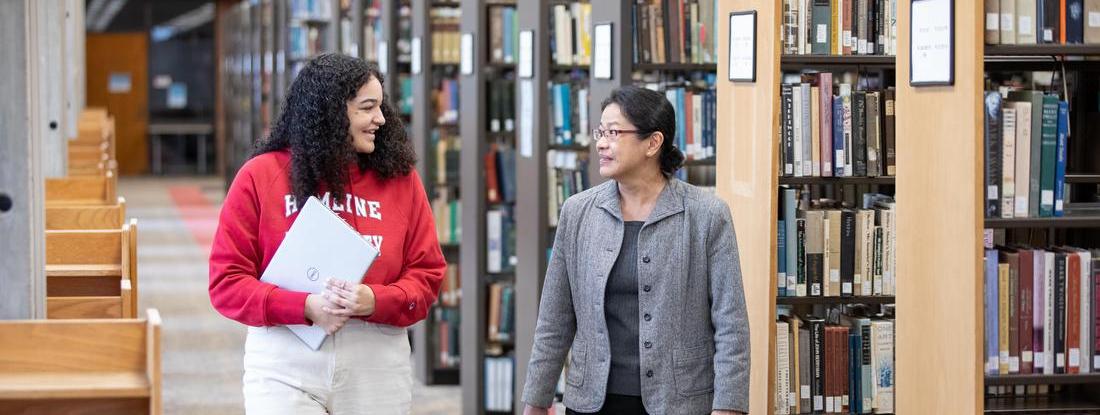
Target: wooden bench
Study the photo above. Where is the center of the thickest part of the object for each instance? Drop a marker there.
(81, 366)
(91, 273)
(82, 190)
(86, 217)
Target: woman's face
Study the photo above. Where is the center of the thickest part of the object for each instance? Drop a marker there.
(365, 115)
(625, 154)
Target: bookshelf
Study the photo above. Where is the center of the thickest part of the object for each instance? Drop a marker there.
(436, 341)
(488, 140)
(1073, 68)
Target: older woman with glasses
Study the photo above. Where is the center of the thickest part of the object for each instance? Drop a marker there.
(643, 290)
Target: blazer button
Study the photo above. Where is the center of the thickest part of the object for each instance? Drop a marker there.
(647, 317)
(648, 345)
(645, 259)
(647, 288)
(649, 373)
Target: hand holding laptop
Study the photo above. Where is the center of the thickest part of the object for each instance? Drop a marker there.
(350, 299)
(317, 312)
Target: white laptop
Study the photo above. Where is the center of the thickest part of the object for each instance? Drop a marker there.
(319, 245)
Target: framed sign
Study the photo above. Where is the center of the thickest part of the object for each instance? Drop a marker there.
(742, 46)
(601, 50)
(932, 42)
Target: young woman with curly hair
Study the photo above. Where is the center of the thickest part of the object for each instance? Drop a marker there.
(339, 139)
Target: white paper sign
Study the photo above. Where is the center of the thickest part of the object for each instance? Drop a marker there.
(932, 29)
(742, 46)
(526, 118)
(526, 52)
(467, 53)
(162, 81)
(601, 68)
(119, 83)
(383, 57)
(416, 55)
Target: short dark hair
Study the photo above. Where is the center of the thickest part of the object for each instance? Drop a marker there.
(650, 112)
(314, 127)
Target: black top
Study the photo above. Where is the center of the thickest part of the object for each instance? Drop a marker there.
(621, 311)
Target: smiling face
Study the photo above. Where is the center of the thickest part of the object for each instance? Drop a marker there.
(365, 115)
(628, 153)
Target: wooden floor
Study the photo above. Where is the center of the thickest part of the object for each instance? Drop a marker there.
(202, 350)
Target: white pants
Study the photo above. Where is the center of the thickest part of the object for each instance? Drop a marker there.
(364, 369)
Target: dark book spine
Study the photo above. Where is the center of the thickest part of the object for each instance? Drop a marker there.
(891, 157)
(847, 251)
(992, 140)
(1051, 21)
(781, 254)
(801, 249)
(859, 133)
(1026, 298)
(1075, 21)
(788, 131)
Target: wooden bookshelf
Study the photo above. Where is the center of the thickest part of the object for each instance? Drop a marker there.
(834, 300)
(1083, 178)
(837, 60)
(1041, 406)
(1040, 379)
(1049, 222)
(423, 122)
(883, 180)
(1042, 50)
(676, 67)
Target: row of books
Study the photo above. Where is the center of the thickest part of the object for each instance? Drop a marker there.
(675, 31)
(567, 176)
(447, 323)
(501, 327)
(502, 105)
(445, 95)
(1041, 310)
(445, 35)
(500, 229)
(304, 41)
(839, 27)
(448, 217)
(834, 365)
(500, 174)
(1029, 22)
(1025, 142)
(503, 34)
(827, 250)
(571, 43)
(696, 118)
(569, 106)
(405, 101)
(841, 133)
(447, 157)
(499, 373)
(311, 9)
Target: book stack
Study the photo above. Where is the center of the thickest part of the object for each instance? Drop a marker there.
(831, 129)
(1025, 141)
(825, 249)
(1030, 22)
(675, 31)
(839, 27)
(571, 43)
(834, 363)
(1041, 309)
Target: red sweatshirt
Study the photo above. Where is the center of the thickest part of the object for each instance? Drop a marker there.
(259, 208)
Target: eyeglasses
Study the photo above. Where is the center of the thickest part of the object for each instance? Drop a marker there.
(611, 135)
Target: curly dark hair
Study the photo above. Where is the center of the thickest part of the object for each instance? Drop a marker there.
(314, 127)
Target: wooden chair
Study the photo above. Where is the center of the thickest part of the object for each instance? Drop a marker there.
(81, 366)
(90, 273)
(82, 190)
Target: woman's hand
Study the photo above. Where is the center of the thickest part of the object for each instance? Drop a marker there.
(315, 312)
(534, 410)
(350, 300)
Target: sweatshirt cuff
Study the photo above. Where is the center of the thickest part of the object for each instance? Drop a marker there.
(390, 302)
(286, 307)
